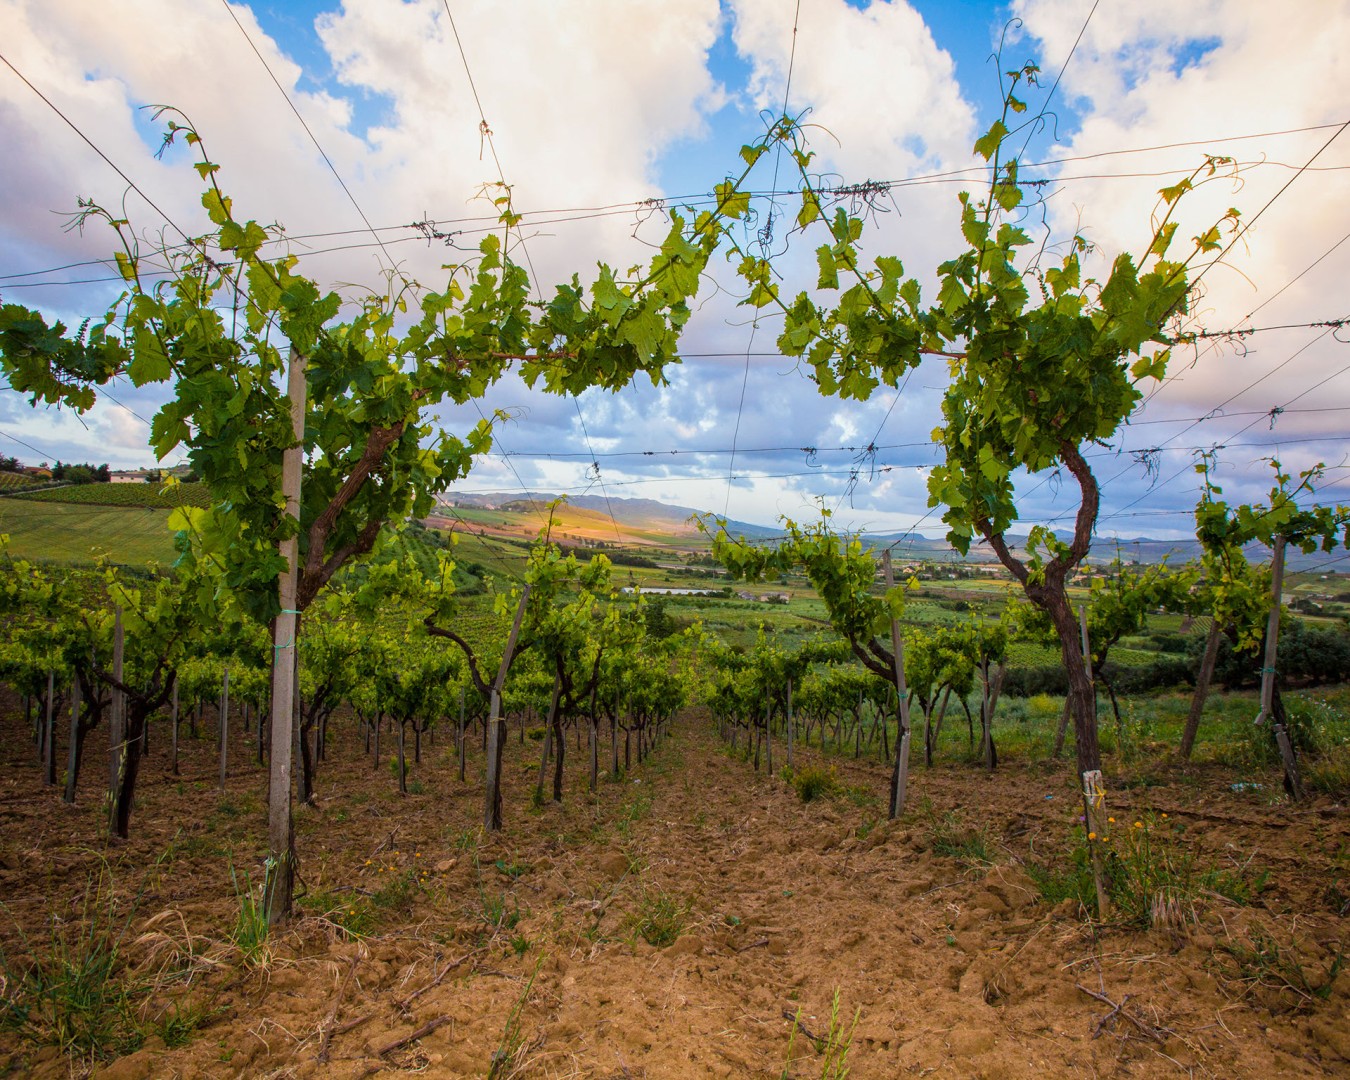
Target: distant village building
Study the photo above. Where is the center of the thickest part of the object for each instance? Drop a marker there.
(665, 591)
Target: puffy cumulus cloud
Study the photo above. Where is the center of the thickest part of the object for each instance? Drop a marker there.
(121, 430)
(581, 100)
(1155, 73)
(100, 64)
(873, 77)
(589, 100)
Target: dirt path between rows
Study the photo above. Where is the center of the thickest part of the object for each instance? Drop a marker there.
(527, 949)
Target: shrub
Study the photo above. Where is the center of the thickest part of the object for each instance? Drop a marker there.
(1162, 674)
(813, 782)
(1308, 654)
(1169, 641)
(1329, 773)
(659, 918)
(1021, 682)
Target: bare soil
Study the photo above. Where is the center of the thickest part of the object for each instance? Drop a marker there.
(526, 949)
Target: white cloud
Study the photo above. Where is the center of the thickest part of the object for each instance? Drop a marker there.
(1206, 71)
(586, 100)
(580, 99)
(873, 78)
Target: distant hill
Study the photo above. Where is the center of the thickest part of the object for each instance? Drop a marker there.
(643, 522)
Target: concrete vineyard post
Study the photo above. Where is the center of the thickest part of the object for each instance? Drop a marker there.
(594, 749)
(280, 880)
(117, 724)
(461, 735)
(298, 764)
(402, 758)
(1094, 791)
(768, 736)
(1095, 826)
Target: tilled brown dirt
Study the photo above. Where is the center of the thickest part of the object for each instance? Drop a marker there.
(525, 949)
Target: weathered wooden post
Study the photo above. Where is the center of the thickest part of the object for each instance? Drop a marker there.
(173, 727)
(224, 726)
(496, 734)
(1268, 712)
(49, 733)
(1202, 681)
(900, 775)
(1094, 793)
(73, 750)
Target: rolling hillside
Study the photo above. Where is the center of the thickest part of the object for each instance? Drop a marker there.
(582, 518)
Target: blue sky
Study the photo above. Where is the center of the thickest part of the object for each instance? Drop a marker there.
(614, 101)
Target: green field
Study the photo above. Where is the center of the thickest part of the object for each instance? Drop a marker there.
(60, 532)
(152, 496)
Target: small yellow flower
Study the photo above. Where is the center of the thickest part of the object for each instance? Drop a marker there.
(367, 862)
(1092, 836)
(1111, 820)
(418, 854)
(1164, 817)
(1138, 824)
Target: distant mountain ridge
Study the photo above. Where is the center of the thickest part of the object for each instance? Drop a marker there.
(676, 520)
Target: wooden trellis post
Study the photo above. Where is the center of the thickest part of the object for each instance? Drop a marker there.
(1282, 740)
